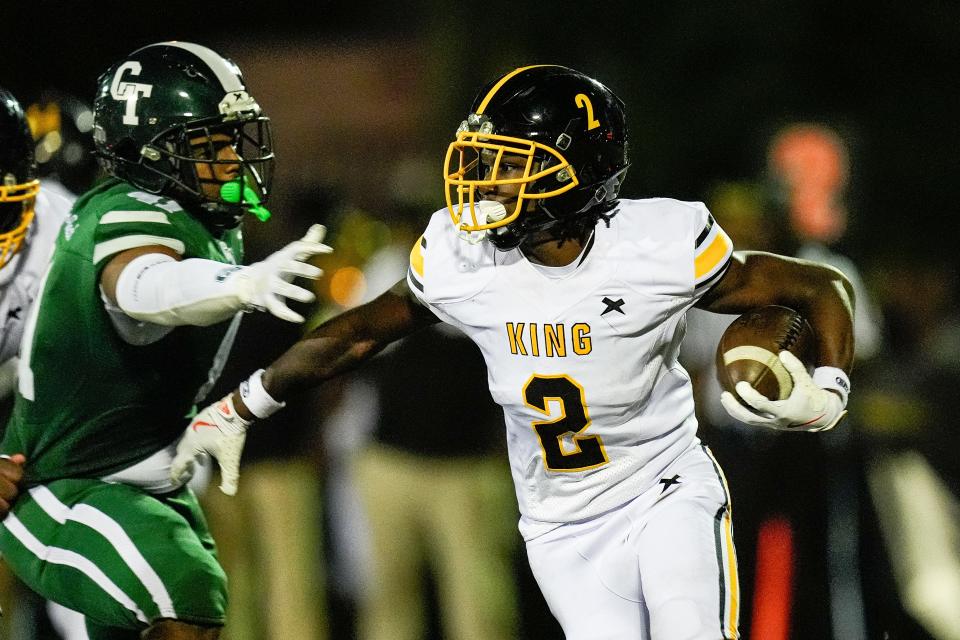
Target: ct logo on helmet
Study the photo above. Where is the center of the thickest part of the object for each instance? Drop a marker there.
(129, 91)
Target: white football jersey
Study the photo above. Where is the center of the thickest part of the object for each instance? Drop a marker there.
(20, 278)
(583, 358)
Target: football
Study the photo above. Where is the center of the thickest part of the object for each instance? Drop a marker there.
(749, 350)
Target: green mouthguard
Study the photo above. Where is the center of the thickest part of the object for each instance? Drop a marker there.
(230, 192)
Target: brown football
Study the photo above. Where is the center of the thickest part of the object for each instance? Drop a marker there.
(749, 350)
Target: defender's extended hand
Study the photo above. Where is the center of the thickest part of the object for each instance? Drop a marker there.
(807, 408)
(264, 285)
(215, 431)
(11, 474)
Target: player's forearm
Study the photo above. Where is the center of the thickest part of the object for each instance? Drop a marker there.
(342, 343)
(825, 297)
(335, 347)
(157, 288)
(821, 293)
(829, 308)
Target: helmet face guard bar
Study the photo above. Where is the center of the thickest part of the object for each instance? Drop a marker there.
(19, 192)
(252, 143)
(464, 157)
(17, 210)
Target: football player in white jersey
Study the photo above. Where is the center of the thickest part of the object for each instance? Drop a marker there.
(29, 220)
(576, 299)
(30, 217)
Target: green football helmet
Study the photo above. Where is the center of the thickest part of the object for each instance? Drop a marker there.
(171, 106)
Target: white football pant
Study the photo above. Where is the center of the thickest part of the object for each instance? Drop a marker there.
(661, 567)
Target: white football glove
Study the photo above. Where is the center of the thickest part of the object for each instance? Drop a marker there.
(215, 431)
(264, 285)
(807, 408)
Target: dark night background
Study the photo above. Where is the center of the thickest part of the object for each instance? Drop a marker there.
(365, 96)
(705, 82)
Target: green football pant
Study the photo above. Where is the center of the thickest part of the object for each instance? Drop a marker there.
(122, 557)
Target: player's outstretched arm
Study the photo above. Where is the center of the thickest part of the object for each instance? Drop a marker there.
(342, 343)
(825, 297)
(153, 284)
(336, 346)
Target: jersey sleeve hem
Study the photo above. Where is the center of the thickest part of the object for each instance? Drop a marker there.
(105, 249)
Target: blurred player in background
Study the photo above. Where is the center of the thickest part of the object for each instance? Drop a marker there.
(133, 322)
(577, 300)
(790, 533)
(30, 217)
(62, 128)
(431, 502)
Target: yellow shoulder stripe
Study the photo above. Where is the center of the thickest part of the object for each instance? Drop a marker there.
(416, 257)
(711, 256)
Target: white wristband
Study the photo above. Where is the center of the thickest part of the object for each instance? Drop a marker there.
(833, 379)
(258, 401)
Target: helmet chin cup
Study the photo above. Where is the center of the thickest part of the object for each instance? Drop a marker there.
(507, 238)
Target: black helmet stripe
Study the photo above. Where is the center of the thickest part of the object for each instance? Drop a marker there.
(503, 81)
(225, 72)
(572, 131)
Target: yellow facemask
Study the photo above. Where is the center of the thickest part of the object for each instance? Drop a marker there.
(26, 194)
(463, 157)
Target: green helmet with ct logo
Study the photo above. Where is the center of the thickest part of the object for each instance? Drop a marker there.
(157, 115)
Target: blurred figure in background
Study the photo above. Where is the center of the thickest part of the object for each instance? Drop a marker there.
(808, 168)
(910, 442)
(62, 128)
(422, 512)
(435, 487)
(437, 495)
(796, 540)
(31, 214)
(277, 587)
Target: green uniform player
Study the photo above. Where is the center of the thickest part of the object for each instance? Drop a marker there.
(97, 393)
(135, 319)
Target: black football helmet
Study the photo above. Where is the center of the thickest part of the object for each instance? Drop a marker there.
(572, 133)
(62, 128)
(18, 177)
(153, 103)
